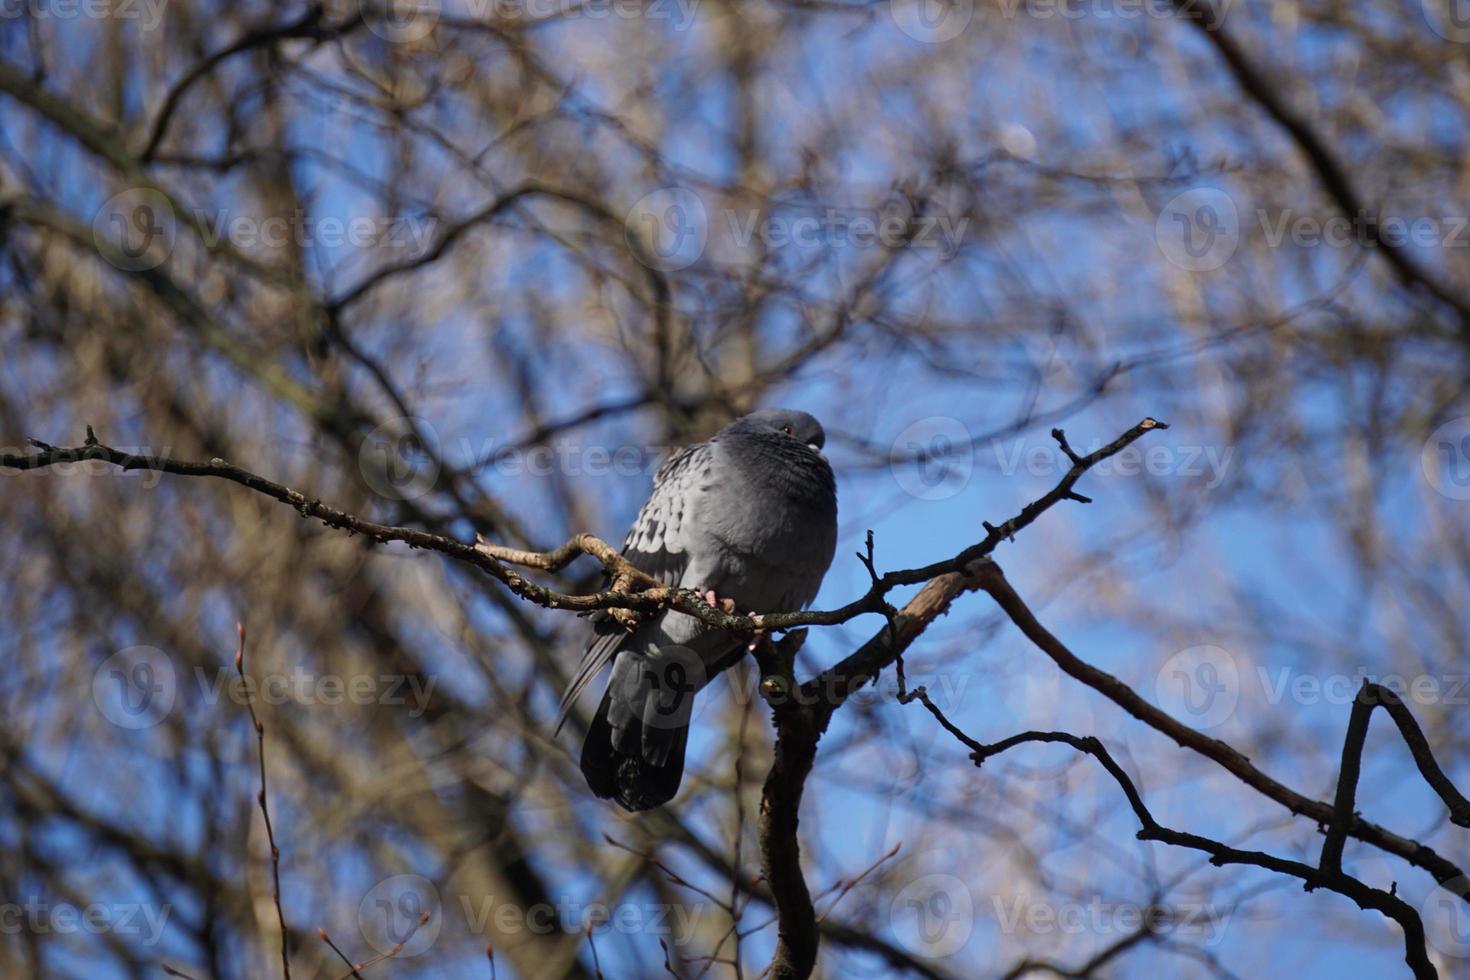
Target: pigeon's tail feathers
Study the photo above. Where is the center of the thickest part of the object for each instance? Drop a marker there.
(598, 764)
(633, 752)
(608, 636)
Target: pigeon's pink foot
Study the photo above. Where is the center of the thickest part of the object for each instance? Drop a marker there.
(759, 631)
(728, 605)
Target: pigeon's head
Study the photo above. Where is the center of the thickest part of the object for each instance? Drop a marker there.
(798, 425)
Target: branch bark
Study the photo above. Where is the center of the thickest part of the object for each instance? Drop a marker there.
(1320, 156)
(1415, 953)
(801, 712)
(1420, 855)
(1344, 812)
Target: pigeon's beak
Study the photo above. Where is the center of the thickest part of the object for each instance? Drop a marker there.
(814, 447)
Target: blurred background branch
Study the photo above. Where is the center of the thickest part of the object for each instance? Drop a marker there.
(472, 268)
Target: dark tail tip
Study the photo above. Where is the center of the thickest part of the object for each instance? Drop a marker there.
(628, 777)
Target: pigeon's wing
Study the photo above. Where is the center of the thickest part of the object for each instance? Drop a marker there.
(657, 544)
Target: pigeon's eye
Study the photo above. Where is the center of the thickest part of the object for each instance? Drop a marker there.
(788, 430)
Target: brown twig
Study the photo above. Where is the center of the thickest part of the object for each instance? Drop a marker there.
(265, 812)
(596, 961)
(648, 597)
(1344, 812)
(308, 25)
(668, 968)
(945, 581)
(1100, 959)
(668, 872)
(1333, 879)
(478, 555)
(322, 933)
(394, 951)
(993, 581)
(844, 887)
(1324, 161)
(1365, 897)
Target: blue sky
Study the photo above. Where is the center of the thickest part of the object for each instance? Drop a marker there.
(863, 801)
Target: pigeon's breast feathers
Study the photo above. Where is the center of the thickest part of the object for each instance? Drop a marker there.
(777, 520)
(788, 473)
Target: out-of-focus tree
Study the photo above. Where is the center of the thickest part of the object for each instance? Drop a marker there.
(472, 267)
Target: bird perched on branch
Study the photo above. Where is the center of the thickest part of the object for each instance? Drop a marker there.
(748, 520)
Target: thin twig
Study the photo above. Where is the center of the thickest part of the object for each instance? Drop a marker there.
(1344, 812)
(394, 951)
(851, 883)
(1366, 897)
(993, 581)
(341, 955)
(265, 812)
(592, 944)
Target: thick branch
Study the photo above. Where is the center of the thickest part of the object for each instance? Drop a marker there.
(480, 555)
(649, 595)
(794, 754)
(800, 720)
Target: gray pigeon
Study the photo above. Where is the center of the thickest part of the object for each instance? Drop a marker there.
(749, 516)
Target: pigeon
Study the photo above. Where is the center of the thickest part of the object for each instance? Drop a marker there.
(748, 520)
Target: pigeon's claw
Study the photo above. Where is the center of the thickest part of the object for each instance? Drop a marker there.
(728, 605)
(759, 632)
